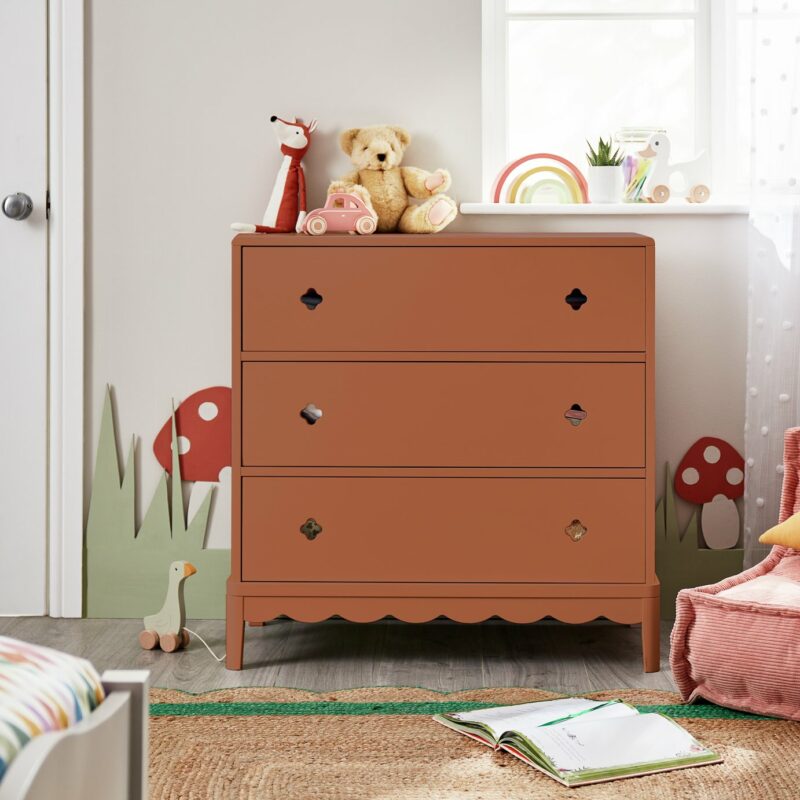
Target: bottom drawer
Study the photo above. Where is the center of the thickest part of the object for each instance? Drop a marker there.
(443, 529)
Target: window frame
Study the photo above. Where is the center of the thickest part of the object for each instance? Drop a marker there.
(714, 54)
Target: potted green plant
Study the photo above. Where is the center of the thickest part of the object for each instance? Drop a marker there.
(605, 172)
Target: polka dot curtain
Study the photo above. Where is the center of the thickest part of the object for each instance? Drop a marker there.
(773, 358)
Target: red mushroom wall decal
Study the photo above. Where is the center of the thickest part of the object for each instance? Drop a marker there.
(203, 422)
(711, 474)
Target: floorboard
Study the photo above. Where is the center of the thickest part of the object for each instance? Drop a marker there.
(334, 655)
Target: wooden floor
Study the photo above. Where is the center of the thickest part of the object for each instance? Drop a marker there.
(338, 655)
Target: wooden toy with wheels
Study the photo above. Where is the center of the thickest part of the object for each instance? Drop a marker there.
(169, 642)
(342, 213)
(166, 628)
(695, 172)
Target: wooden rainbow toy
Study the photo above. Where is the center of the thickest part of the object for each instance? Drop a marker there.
(568, 185)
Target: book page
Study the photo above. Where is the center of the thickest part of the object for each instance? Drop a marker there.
(505, 718)
(580, 745)
(525, 725)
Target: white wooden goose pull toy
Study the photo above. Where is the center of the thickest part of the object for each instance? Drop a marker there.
(165, 629)
(695, 172)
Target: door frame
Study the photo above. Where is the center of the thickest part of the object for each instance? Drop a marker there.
(66, 86)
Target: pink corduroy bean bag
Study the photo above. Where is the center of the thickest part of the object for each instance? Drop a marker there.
(737, 642)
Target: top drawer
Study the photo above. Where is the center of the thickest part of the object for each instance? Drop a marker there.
(443, 299)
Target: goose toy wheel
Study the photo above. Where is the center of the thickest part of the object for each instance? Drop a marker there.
(366, 225)
(660, 193)
(316, 226)
(699, 193)
(148, 640)
(170, 642)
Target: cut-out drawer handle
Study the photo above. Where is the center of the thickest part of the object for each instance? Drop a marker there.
(575, 414)
(310, 413)
(575, 299)
(576, 530)
(311, 299)
(311, 529)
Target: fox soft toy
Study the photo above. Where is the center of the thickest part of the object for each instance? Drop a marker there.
(286, 209)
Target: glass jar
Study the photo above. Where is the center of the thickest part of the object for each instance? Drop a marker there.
(635, 166)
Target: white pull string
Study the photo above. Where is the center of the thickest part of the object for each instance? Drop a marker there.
(213, 654)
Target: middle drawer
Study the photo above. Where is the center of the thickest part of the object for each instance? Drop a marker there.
(434, 414)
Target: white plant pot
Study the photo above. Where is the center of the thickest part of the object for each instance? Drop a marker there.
(605, 184)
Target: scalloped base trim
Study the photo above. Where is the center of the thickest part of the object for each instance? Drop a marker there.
(462, 609)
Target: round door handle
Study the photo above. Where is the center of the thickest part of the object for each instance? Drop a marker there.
(17, 206)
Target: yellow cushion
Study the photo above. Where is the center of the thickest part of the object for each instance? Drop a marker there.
(786, 534)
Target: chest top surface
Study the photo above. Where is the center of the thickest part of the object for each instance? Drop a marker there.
(447, 240)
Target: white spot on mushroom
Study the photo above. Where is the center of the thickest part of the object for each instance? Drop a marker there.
(690, 476)
(734, 476)
(760, 502)
(764, 430)
(184, 445)
(711, 454)
(783, 397)
(225, 475)
(207, 411)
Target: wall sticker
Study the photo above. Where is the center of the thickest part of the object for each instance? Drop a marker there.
(125, 567)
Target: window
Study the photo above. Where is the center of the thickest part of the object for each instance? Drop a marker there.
(559, 72)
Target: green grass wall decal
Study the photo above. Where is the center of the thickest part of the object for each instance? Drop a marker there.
(126, 569)
(680, 560)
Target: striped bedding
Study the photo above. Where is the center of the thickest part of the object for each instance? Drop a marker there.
(41, 690)
(737, 642)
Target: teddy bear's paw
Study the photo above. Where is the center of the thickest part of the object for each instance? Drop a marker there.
(438, 180)
(340, 187)
(441, 212)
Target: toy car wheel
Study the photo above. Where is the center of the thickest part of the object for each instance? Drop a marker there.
(660, 194)
(699, 193)
(316, 226)
(366, 225)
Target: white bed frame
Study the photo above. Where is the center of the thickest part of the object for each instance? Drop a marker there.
(104, 756)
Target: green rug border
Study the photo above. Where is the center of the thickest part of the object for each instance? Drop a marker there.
(427, 708)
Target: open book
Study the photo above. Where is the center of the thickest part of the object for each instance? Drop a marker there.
(579, 741)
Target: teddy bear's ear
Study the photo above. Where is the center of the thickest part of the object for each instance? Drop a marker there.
(347, 138)
(402, 134)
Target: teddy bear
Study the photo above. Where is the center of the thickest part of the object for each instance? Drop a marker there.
(384, 186)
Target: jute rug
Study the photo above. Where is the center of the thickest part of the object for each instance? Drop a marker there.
(380, 744)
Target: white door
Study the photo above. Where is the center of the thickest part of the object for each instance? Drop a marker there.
(23, 307)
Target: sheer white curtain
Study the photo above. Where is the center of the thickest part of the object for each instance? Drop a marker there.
(770, 30)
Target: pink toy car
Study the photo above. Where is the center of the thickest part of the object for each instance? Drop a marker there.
(342, 212)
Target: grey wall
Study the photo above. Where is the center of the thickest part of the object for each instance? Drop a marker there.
(178, 147)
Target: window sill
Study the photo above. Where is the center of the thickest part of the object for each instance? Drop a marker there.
(677, 207)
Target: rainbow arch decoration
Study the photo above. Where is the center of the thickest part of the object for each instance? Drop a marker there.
(552, 178)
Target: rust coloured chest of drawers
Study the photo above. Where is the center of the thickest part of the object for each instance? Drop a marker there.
(457, 425)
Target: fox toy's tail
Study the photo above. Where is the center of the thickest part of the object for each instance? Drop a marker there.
(246, 227)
